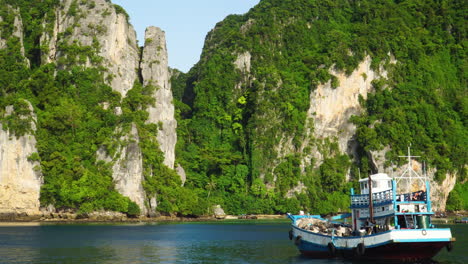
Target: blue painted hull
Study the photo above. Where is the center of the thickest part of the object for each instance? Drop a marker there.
(406, 251)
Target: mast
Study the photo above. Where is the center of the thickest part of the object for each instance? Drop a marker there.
(371, 206)
(409, 174)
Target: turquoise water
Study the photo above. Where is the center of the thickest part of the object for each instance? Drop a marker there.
(238, 242)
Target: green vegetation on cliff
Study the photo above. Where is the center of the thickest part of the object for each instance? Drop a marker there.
(243, 128)
(76, 116)
(233, 119)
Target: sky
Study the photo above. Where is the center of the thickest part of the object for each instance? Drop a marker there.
(186, 23)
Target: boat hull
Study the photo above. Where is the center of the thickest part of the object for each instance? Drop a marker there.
(395, 251)
(394, 245)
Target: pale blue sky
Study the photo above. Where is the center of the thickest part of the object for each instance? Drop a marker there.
(185, 22)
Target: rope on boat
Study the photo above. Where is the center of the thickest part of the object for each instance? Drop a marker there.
(449, 246)
(360, 249)
(332, 249)
(297, 241)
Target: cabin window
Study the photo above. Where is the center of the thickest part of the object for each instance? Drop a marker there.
(389, 184)
(374, 184)
(365, 185)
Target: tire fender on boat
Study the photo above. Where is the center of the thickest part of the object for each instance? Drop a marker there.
(360, 249)
(449, 246)
(297, 241)
(331, 249)
(290, 234)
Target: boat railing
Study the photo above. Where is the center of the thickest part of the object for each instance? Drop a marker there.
(413, 196)
(362, 200)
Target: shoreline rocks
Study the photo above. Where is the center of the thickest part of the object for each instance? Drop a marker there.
(117, 217)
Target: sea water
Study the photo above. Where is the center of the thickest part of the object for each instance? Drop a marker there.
(210, 242)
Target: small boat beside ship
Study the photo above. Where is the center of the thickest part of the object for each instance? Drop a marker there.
(384, 224)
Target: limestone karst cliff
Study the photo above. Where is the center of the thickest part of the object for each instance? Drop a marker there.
(20, 173)
(104, 35)
(16, 31)
(155, 71)
(288, 106)
(302, 93)
(127, 169)
(83, 52)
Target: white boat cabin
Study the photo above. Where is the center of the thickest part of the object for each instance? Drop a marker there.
(380, 182)
(383, 209)
(390, 210)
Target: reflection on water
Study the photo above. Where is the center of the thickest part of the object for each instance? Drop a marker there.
(166, 243)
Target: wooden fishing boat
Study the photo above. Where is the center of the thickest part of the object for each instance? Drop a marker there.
(383, 224)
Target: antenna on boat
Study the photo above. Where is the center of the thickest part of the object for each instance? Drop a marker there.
(409, 172)
(371, 205)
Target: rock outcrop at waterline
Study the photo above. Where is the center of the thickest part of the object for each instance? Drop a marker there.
(20, 174)
(127, 169)
(97, 34)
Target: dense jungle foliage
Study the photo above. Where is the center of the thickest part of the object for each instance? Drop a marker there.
(72, 120)
(231, 121)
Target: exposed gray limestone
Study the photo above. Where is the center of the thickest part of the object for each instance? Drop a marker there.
(299, 188)
(17, 32)
(153, 204)
(20, 178)
(243, 62)
(377, 160)
(439, 191)
(91, 25)
(106, 216)
(331, 108)
(181, 172)
(128, 168)
(247, 25)
(155, 71)
(329, 113)
(2, 40)
(218, 212)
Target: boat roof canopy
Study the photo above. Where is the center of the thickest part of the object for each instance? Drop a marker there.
(375, 177)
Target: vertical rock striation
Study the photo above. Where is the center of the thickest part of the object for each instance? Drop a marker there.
(128, 168)
(331, 107)
(20, 177)
(104, 37)
(96, 25)
(439, 190)
(17, 31)
(155, 71)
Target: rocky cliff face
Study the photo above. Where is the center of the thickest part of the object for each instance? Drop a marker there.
(99, 27)
(155, 71)
(439, 191)
(331, 108)
(17, 31)
(102, 33)
(128, 168)
(95, 33)
(20, 176)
